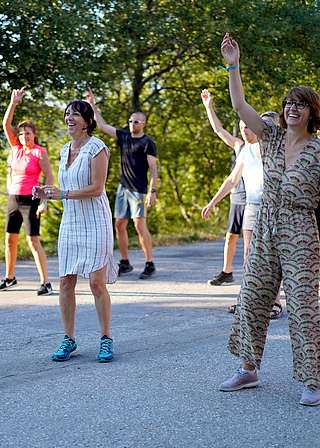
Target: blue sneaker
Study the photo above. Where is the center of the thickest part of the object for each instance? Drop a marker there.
(64, 351)
(106, 349)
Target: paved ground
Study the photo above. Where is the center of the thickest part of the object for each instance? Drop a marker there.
(162, 388)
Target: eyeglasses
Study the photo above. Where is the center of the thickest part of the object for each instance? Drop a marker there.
(135, 121)
(300, 105)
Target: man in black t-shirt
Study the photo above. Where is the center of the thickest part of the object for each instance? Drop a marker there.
(138, 154)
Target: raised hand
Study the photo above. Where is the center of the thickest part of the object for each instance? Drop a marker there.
(206, 97)
(17, 95)
(90, 97)
(230, 50)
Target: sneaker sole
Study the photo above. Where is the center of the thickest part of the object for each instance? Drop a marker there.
(243, 386)
(124, 273)
(46, 294)
(316, 403)
(104, 361)
(146, 276)
(8, 287)
(66, 359)
(220, 284)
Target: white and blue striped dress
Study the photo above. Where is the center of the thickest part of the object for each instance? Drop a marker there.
(85, 242)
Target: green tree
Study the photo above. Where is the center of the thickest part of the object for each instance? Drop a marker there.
(156, 55)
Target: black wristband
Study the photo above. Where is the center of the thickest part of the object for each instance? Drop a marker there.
(153, 190)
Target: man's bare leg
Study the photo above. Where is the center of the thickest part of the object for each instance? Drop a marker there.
(230, 247)
(122, 237)
(144, 237)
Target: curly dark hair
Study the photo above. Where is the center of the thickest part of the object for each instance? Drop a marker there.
(312, 99)
(86, 112)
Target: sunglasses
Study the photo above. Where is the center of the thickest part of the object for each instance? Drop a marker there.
(135, 121)
(300, 105)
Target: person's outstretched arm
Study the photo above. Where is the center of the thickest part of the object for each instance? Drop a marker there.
(16, 98)
(227, 185)
(216, 125)
(231, 53)
(102, 125)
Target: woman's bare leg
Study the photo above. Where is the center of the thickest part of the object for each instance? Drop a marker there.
(102, 300)
(39, 256)
(11, 251)
(67, 300)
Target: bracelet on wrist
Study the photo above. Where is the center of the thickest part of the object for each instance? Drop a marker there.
(229, 68)
(153, 190)
(64, 195)
(232, 67)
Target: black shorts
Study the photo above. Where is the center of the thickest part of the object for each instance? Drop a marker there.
(23, 209)
(235, 219)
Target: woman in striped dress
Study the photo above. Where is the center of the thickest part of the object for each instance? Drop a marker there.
(85, 244)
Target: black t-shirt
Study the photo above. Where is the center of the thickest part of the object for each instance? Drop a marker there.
(134, 163)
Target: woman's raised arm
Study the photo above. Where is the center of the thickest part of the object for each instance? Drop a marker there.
(231, 53)
(16, 98)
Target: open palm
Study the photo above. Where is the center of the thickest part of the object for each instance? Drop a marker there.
(206, 97)
(17, 95)
(90, 96)
(230, 50)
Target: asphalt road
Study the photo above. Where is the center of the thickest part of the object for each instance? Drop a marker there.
(170, 336)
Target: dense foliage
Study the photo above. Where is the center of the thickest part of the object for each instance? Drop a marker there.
(154, 55)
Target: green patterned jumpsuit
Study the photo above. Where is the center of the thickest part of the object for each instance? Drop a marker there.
(285, 245)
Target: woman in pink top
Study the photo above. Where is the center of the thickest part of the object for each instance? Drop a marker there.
(26, 163)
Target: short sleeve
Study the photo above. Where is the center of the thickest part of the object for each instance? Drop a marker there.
(269, 134)
(120, 136)
(96, 146)
(64, 153)
(151, 149)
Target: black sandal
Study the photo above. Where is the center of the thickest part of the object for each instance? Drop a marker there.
(276, 311)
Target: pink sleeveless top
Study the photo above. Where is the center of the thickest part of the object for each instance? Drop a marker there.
(25, 169)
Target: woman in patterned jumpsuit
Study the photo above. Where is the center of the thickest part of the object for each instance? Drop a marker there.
(285, 243)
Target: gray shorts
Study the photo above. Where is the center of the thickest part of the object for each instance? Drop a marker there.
(250, 215)
(129, 204)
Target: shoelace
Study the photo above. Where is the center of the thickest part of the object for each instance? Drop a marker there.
(66, 345)
(106, 345)
(241, 373)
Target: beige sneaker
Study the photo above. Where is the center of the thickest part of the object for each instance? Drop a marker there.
(310, 397)
(240, 380)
